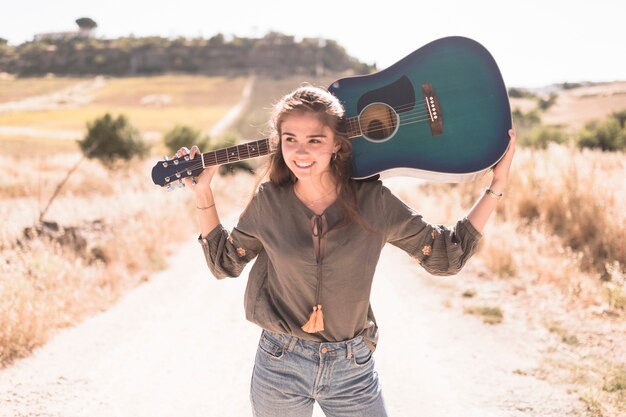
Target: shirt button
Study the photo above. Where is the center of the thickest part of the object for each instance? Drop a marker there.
(324, 349)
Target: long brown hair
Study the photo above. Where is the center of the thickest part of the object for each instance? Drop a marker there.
(316, 100)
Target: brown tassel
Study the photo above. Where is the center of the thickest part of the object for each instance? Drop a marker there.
(316, 321)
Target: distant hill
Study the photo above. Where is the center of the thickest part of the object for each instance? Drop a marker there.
(273, 55)
(574, 106)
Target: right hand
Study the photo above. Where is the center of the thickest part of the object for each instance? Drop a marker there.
(203, 181)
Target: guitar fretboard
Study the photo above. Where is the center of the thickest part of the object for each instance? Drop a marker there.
(353, 129)
(247, 150)
(260, 147)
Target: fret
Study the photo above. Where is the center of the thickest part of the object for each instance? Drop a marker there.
(210, 159)
(231, 154)
(354, 129)
(253, 149)
(236, 153)
(264, 147)
(221, 156)
(247, 149)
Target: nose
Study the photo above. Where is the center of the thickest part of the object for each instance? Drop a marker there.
(301, 149)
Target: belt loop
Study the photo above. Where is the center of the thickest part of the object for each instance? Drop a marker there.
(349, 350)
(292, 343)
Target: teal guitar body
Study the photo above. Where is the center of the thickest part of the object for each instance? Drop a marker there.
(441, 113)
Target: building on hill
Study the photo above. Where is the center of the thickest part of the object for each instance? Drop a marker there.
(86, 29)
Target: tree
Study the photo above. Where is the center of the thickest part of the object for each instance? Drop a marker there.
(110, 139)
(86, 23)
(184, 136)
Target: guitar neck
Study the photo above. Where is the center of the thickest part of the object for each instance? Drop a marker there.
(259, 148)
(353, 129)
(236, 153)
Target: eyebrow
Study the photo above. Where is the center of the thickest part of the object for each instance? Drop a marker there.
(319, 135)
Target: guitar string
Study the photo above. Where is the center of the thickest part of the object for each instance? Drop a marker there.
(386, 120)
(420, 111)
(391, 119)
(406, 118)
(223, 159)
(227, 160)
(225, 153)
(402, 107)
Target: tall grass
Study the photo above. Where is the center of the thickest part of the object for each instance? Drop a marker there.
(114, 227)
(125, 231)
(561, 222)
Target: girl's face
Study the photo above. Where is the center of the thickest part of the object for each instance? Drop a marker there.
(307, 145)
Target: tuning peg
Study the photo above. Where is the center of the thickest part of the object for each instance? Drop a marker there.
(169, 188)
(194, 180)
(181, 184)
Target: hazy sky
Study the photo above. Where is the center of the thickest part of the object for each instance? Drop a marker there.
(535, 42)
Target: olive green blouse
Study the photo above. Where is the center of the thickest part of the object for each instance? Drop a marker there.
(304, 259)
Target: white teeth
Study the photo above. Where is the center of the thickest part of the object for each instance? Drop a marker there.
(303, 164)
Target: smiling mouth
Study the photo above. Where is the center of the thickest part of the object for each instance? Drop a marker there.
(303, 164)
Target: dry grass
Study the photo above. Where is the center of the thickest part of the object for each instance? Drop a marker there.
(151, 103)
(561, 223)
(50, 282)
(115, 226)
(490, 314)
(13, 89)
(555, 255)
(574, 108)
(159, 119)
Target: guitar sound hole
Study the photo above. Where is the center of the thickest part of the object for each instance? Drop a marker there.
(378, 122)
(375, 130)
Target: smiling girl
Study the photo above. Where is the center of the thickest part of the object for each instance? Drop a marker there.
(317, 236)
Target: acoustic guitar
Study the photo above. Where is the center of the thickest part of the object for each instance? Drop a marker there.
(442, 113)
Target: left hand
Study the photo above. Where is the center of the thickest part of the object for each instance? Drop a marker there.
(503, 167)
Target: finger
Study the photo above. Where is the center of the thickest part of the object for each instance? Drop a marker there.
(194, 151)
(182, 152)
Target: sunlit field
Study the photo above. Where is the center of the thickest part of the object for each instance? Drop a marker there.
(556, 242)
(152, 103)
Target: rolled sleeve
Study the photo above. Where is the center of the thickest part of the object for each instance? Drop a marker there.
(226, 253)
(441, 250)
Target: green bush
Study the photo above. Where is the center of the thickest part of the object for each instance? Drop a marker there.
(185, 136)
(608, 135)
(541, 136)
(515, 92)
(110, 139)
(523, 120)
(546, 103)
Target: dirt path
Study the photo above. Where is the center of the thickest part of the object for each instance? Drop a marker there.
(180, 345)
(75, 96)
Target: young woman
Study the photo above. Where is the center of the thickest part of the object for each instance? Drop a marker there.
(317, 235)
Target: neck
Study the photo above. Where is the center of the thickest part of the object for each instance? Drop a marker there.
(317, 197)
(315, 189)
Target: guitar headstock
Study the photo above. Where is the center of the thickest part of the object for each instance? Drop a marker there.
(168, 172)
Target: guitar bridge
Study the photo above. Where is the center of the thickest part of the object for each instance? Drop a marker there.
(434, 109)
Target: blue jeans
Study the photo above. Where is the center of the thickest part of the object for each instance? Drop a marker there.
(290, 374)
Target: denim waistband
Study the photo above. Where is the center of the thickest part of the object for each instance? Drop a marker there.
(339, 349)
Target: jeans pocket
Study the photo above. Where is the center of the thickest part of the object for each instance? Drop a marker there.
(362, 355)
(271, 347)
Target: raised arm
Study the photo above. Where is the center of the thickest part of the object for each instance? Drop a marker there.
(482, 209)
(205, 200)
